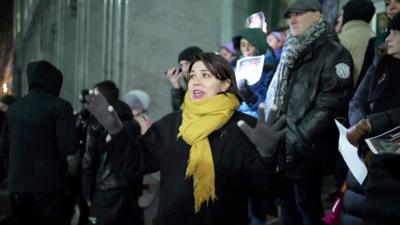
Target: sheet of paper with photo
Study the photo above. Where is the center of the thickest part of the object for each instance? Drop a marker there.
(257, 20)
(386, 143)
(249, 68)
(350, 155)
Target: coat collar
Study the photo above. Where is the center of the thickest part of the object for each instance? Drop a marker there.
(354, 23)
(307, 54)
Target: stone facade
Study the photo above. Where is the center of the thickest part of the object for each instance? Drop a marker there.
(131, 42)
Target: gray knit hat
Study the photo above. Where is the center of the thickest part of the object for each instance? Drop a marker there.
(138, 99)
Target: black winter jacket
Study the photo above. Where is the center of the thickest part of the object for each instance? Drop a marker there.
(38, 134)
(376, 201)
(177, 96)
(319, 89)
(239, 171)
(378, 99)
(97, 173)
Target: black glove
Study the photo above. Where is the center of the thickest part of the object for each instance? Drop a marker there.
(266, 134)
(98, 106)
(245, 92)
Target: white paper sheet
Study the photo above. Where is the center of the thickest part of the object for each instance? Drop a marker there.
(250, 69)
(350, 156)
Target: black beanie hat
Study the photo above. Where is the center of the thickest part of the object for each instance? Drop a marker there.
(358, 10)
(395, 22)
(189, 53)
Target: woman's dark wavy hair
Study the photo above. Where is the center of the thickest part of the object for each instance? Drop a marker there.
(220, 68)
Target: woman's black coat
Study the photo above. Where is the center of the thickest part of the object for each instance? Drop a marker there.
(239, 171)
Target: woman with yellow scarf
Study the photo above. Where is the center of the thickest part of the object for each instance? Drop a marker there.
(208, 166)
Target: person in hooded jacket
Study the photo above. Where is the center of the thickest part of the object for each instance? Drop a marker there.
(38, 134)
(111, 196)
(374, 109)
(251, 42)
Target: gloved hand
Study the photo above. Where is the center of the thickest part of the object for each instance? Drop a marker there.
(266, 134)
(98, 106)
(245, 92)
(356, 132)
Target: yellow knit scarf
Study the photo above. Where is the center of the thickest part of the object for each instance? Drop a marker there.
(199, 119)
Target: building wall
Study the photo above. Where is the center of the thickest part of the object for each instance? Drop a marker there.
(131, 42)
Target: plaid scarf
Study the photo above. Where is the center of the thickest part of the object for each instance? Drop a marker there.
(292, 49)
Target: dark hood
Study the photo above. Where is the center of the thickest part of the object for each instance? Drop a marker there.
(43, 75)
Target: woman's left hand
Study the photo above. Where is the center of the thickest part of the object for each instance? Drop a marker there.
(266, 134)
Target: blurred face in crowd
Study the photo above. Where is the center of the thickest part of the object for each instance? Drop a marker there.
(393, 43)
(185, 67)
(203, 84)
(299, 22)
(273, 42)
(339, 23)
(226, 54)
(392, 7)
(246, 48)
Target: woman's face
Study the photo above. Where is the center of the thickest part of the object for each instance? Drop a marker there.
(393, 43)
(226, 54)
(273, 42)
(203, 84)
(339, 24)
(246, 48)
(392, 7)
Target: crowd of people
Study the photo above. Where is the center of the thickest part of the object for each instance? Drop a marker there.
(232, 148)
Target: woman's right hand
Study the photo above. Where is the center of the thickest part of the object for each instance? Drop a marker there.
(98, 106)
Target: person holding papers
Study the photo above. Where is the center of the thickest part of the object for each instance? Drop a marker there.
(251, 42)
(253, 76)
(375, 108)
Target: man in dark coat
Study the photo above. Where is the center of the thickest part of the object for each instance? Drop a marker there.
(312, 85)
(111, 195)
(38, 134)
